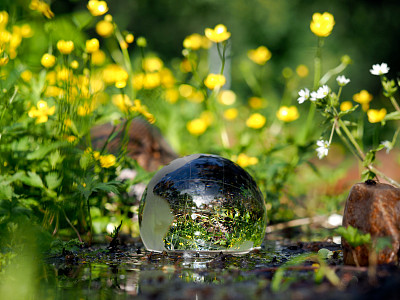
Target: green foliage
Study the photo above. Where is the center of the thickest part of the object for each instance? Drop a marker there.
(353, 236)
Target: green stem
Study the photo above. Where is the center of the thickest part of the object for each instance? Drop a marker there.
(351, 139)
(394, 102)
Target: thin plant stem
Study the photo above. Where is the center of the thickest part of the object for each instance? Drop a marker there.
(72, 226)
(351, 139)
(394, 102)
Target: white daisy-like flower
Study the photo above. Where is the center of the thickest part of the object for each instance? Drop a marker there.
(304, 95)
(342, 81)
(321, 93)
(379, 69)
(323, 148)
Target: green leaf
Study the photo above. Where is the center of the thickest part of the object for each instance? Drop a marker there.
(343, 113)
(52, 180)
(392, 116)
(55, 158)
(32, 179)
(353, 236)
(6, 191)
(369, 158)
(45, 149)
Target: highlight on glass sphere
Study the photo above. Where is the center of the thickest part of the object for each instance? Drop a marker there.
(202, 203)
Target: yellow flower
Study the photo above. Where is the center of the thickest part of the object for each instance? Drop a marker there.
(214, 81)
(244, 161)
(227, 97)
(53, 91)
(85, 109)
(231, 114)
(74, 64)
(3, 19)
(97, 8)
(260, 55)
(104, 28)
(171, 95)
(364, 98)
(107, 161)
(302, 71)
(92, 45)
(98, 57)
(255, 121)
(64, 74)
(4, 61)
(322, 24)
(71, 138)
(167, 78)
(123, 45)
(129, 38)
(41, 112)
(287, 114)
(218, 34)
(197, 126)
(65, 47)
(193, 41)
(152, 64)
(375, 116)
(346, 105)
(114, 74)
(122, 101)
(48, 60)
(41, 7)
(26, 75)
(256, 102)
(26, 31)
(207, 116)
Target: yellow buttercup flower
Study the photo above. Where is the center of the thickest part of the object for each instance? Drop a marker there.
(322, 24)
(197, 126)
(244, 161)
(193, 41)
(255, 121)
(71, 138)
(65, 47)
(364, 98)
(287, 114)
(41, 7)
(152, 64)
(375, 116)
(129, 38)
(231, 114)
(4, 61)
(74, 64)
(260, 55)
(104, 28)
(41, 112)
(107, 161)
(98, 57)
(92, 45)
(26, 75)
(122, 101)
(171, 95)
(48, 60)
(97, 8)
(218, 34)
(214, 81)
(3, 19)
(346, 105)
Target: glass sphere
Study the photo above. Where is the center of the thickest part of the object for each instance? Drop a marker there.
(202, 203)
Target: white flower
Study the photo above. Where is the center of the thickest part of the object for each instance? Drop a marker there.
(323, 148)
(379, 69)
(304, 95)
(388, 145)
(342, 81)
(321, 93)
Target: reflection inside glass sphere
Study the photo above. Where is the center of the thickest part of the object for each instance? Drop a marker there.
(202, 203)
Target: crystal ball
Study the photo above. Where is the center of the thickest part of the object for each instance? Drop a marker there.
(202, 203)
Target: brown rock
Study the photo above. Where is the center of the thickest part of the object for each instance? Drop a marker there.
(373, 208)
(145, 143)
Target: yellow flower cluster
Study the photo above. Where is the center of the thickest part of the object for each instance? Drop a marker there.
(97, 8)
(287, 114)
(322, 24)
(260, 55)
(196, 41)
(41, 112)
(199, 126)
(218, 34)
(190, 93)
(364, 98)
(11, 40)
(114, 74)
(126, 106)
(106, 161)
(244, 161)
(65, 47)
(214, 81)
(154, 75)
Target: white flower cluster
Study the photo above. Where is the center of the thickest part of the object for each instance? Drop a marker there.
(322, 149)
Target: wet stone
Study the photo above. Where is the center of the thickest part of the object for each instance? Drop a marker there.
(373, 208)
(202, 203)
